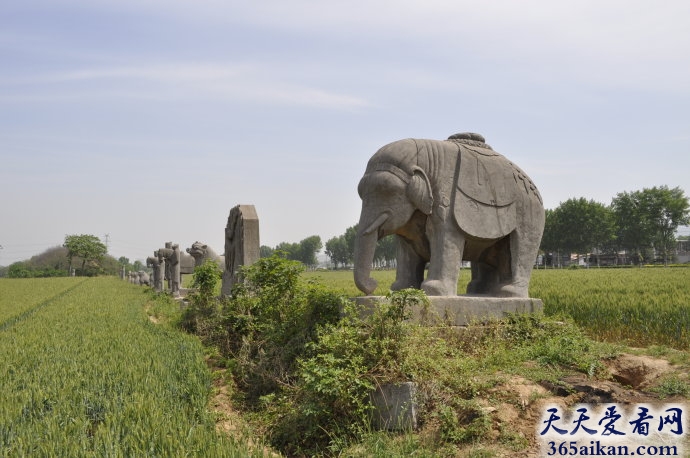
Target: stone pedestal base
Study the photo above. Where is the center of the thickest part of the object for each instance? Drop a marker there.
(460, 310)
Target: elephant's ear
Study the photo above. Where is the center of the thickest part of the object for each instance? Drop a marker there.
(419, 191)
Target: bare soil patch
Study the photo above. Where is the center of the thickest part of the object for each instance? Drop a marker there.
(519, 403)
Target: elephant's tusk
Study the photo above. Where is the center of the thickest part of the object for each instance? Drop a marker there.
(377, 223)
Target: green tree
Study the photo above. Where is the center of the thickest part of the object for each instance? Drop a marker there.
(336, 249)
(87, 247)
(350, 236)
(265, 251)
(308, 249)
(304, 251)
(341, 249)
(19, 269)
(650, 219)
(578, 226)
(386, 251)
(290, 250)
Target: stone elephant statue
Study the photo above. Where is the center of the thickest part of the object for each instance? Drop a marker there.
(449, 201)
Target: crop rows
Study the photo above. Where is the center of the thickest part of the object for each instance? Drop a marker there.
(20, 296)
(89, 375)
(638, 306)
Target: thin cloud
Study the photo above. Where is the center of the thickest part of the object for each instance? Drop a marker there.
(248, 82)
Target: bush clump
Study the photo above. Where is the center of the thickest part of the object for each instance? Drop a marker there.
(305, 360)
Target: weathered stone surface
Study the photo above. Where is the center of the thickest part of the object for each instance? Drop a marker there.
(173, 268)
(143, 278)
(157, 275)
(395, 407)
(241, 243)
(460, 310)
(447, 202)
(187, 263)
(201, 252)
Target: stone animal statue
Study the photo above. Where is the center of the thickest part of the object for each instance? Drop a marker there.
(156, 277)
(144, 278)
(202, 252)
(449, 201)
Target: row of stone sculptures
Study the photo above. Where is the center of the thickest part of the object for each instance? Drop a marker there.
(446, 202)
(169, 263)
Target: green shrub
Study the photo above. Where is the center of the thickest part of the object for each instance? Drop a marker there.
(199, 316)
(343, 365)
(269, 321)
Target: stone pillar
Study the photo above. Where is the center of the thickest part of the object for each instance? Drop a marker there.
(241, 243)
(160, 275)
(175, 272)
(154, 263)
(167, 252)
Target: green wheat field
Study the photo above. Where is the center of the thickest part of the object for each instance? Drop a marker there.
(635, 306)
(85, 373)
(74, 349)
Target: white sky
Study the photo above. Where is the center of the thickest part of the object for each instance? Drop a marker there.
(149, 119)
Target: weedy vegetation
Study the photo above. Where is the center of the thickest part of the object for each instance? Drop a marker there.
(304, 373)
(89, 374)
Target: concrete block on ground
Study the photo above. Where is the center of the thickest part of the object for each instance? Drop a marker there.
(395, 407)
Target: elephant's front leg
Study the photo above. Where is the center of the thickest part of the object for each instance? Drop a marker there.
(410, 266)
(447, 244)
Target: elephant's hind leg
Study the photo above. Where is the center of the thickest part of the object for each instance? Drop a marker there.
(520, 258)
(484, 278)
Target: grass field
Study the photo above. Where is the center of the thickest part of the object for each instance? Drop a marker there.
(638, 306)
(85, 373)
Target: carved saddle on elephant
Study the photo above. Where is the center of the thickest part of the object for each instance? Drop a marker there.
(484, 205)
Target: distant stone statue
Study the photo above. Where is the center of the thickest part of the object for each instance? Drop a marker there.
(449, 201)
(155, 264)
(201, 252)
(143, 278)
(167, 253)
(175, 270)
(160, 277)
(241, 243)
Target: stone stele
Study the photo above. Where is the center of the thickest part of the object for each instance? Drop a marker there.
(241, 243)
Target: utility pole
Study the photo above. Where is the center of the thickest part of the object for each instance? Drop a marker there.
(107, 241)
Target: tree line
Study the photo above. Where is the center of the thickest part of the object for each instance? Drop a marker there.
(83, 255)
(303, 251)
(641, 223)
(340, 249)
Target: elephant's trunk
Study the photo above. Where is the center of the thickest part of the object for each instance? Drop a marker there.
(365, 246)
